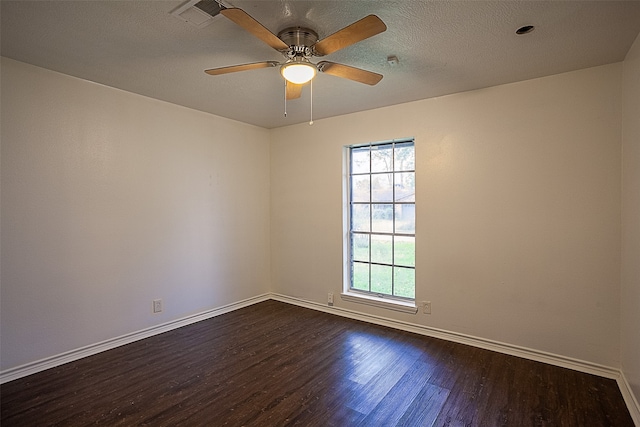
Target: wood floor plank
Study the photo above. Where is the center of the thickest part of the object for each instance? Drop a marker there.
(275, 364)
(400, 398)
(425, 407)
(392, 364)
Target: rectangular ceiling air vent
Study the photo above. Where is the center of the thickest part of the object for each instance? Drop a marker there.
(198, 13)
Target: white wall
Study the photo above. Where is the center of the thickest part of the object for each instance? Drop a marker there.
(518, 210)
(630, 283)
(110, 200)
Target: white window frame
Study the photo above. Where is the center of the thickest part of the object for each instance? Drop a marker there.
(406, 305)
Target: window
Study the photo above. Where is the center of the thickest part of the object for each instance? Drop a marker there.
(381, 220)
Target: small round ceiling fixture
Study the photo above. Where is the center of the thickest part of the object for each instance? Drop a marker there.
(525, 30)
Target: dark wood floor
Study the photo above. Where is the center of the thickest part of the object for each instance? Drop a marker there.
(276, 364)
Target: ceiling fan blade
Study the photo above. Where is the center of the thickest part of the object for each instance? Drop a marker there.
(243, 67)
(351, 73)
(293, 90)
(363, 29)
(245, 20)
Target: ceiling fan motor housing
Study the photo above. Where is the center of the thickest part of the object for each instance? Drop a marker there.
(299, 39)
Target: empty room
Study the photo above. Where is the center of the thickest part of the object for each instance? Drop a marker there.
(320, 213)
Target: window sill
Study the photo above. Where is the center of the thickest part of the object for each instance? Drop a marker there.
(404, 307)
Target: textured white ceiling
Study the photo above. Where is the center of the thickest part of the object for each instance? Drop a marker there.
(443, 47)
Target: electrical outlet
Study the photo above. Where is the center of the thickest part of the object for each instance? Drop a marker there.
(426, 307)
(157, 305)
(330, 298)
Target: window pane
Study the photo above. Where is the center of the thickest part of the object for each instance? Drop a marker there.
(360, 276)
(381, 276)
(381, 249)
(360, 218)
(404, 251)
(405, 159)
(404, 282)
(406, 218)
(360, 247)
(382, 218)
(405, 187)
(360, 189)
(360, 160)
(382, 187)
(382, 158)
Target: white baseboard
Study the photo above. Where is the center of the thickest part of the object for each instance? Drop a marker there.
(70, 356)
(629, 398)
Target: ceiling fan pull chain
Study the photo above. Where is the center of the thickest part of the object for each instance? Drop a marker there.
(311, 86)
(285, 98)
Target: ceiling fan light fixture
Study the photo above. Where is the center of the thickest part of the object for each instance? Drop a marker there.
(298, 71)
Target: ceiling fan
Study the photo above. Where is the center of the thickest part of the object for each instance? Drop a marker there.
(299, 44)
